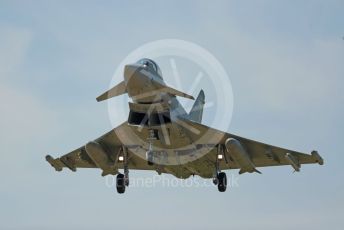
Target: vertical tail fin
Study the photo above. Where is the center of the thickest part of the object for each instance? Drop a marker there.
(196, 112)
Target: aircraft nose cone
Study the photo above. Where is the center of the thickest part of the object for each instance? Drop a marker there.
(130, 71)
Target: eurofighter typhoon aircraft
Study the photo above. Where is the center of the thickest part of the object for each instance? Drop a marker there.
(160, 135)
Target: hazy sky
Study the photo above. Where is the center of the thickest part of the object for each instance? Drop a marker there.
(285, 60)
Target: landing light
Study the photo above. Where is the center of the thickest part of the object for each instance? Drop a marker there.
(121, 158)
(220, 156)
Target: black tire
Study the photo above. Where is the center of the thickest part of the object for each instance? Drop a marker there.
(222, 185)
(120, 183)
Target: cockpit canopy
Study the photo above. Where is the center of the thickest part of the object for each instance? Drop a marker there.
(151, 65)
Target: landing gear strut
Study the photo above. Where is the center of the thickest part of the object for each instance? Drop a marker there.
(150, 157)
(150, 152)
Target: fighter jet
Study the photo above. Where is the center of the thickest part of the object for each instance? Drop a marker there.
(161, 136)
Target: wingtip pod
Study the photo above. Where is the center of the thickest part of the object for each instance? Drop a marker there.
(317, 157)
(54, 163)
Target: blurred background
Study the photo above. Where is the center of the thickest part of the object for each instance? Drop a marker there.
(285, 63)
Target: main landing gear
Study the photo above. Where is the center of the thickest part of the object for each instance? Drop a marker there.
(122, 180)
(120, 183)
(221, 181)
(220, 178)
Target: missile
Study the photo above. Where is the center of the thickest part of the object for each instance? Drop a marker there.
(293, 162)
(240, 156)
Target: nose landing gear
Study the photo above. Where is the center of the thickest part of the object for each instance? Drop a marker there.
(150, 152)
(150, 157)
